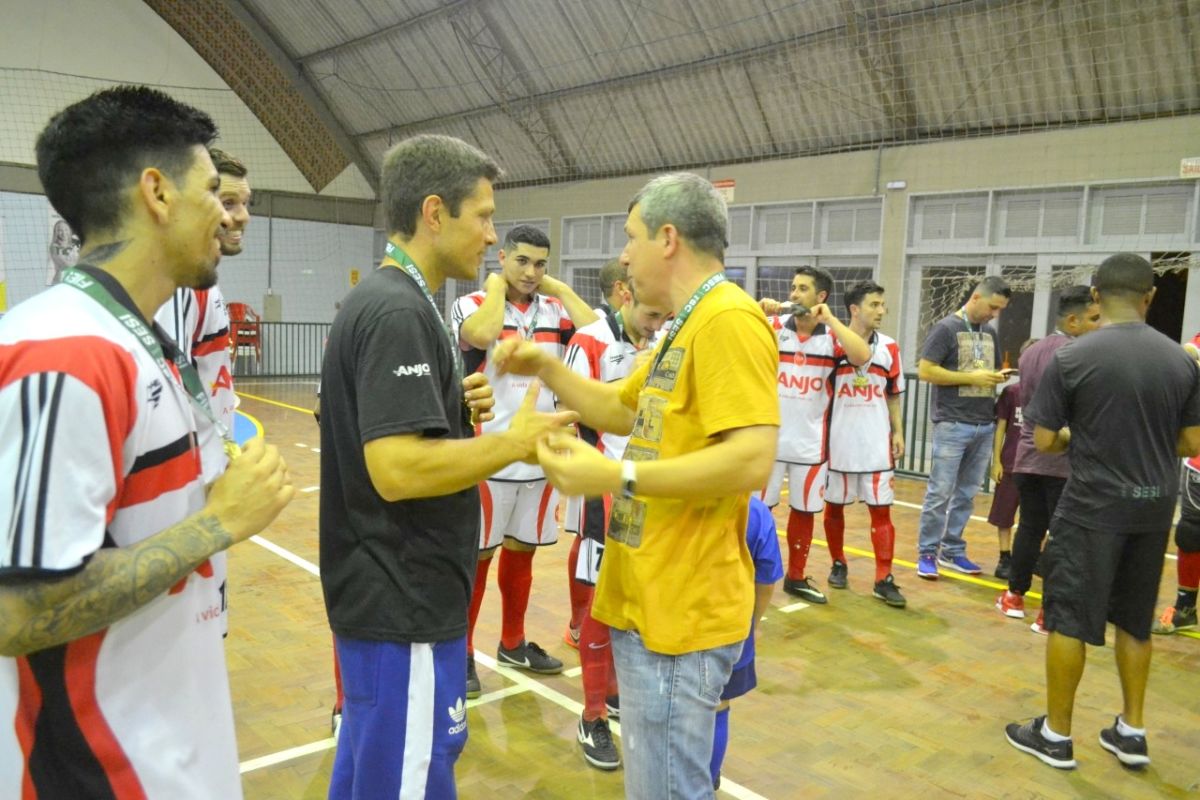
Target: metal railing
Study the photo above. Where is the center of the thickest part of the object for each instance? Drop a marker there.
(918, 431)
(279, 349)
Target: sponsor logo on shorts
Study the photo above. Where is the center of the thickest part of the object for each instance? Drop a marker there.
(458, 715)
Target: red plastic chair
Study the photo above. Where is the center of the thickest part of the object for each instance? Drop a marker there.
(244, 330)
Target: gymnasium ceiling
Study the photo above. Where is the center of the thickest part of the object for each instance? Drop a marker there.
(575, 89)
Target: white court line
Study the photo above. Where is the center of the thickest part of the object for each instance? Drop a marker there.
(984, 520)
(287, 755)
(309, 489)
(788, 609)
(523, 684)
(287, 555)
(573, 672)
(301, 444)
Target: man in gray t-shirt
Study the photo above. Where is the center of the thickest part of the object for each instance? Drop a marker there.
(1124, 402)
(961, 359)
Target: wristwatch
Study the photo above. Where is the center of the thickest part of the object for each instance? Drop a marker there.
(628, 478)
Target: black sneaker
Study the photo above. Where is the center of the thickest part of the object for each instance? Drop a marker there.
(528, 656)
(1028, 738)
(473, 687)
(612, 704)
(806, 589)
(838, 575)
(887, 591)
(1004, 568)
(598, 746)
(1129, 750)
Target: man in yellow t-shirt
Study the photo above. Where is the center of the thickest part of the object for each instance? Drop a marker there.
(676, 585)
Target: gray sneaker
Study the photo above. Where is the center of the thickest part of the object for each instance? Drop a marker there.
(473, 687)
(598, 747)
(1028, 738)
(528, 656)
(804, 589)
(839, 575)
(1129, 750)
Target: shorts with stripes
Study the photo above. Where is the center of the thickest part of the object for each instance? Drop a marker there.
(404, 719)
(806, 486)
(523, 511)
(873, 488)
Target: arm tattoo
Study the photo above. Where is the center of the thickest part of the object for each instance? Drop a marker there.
(40, 612)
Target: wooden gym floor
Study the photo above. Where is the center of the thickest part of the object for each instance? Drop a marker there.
(854, 700)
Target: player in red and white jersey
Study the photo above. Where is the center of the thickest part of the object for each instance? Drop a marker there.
(866, 436)
(113, 680)
(199, 323)
(521, 301)
(606, 350)
(810, 344)
(1182, 615)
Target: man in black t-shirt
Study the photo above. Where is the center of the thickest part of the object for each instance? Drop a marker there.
(961, 359)
(1124, 402)
(399, 521)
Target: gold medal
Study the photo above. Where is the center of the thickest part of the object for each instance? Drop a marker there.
(861, 381)
(980, 364)
(232, 451)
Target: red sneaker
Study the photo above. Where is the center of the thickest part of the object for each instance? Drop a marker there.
(1011, 604)
(1039, 627)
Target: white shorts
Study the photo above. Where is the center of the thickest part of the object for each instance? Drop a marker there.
(520, 511)
(806, 486)
(873, 488)
(573, 514)
(587, 568)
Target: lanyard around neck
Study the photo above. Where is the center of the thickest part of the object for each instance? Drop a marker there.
(79, 279)
(683, 315)
(409, 268)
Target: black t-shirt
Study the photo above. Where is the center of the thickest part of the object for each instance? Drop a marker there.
(1125, 391)
(955, 344)
(391, 571)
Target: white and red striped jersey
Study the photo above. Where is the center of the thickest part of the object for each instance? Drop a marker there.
(805, 389)
(602, 351)
(199, 322)
(100, 451)
(543, 321)
(860, 430)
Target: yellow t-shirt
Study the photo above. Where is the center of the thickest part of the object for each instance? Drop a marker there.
(679, 571)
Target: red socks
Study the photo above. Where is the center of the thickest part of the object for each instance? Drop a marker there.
(883, 539)
(581, 593)
(1189, 569)
(595, 659)
(515, 578)
(799, 537)
(481, 573)
(835, 531)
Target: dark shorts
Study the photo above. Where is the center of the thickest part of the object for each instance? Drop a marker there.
(1005, 499)
(1096, 577)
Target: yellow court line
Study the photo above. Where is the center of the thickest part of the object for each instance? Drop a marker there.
(275, 403)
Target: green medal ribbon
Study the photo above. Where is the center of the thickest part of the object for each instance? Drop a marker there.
(410, 268)
(78, 279)
(683, 315)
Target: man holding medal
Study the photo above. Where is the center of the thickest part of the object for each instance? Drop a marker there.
(677, 588)
(811, 342)
(520, 301)
(106, 597)
(866, 436)
(196, 318)
(961, 358)
(400, 469)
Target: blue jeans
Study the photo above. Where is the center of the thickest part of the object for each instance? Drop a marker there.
(668, 710)
(961, 454)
